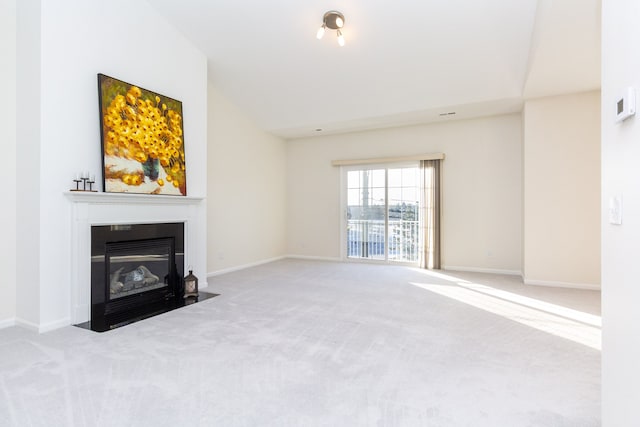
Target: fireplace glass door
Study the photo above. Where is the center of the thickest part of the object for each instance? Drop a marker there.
(134, 267)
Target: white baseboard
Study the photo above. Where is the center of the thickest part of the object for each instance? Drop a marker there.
(482, 270)
(315, 258)
(42, 328)
(267, 261)
(61, 323)
(569, 285)
(7, 323)
(27, 324)
(243, 266)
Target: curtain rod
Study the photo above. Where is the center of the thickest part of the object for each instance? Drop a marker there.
(351, 162)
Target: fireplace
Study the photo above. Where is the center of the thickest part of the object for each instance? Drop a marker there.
(112, 210)
(136, 272)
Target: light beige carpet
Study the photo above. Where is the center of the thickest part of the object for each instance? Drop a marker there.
(303, 343)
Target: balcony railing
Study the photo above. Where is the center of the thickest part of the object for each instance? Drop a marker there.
(366, 239)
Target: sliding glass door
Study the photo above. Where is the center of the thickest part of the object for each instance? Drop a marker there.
(383, 213)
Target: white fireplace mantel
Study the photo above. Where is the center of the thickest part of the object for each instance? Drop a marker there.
(130, 198)
(98, 208)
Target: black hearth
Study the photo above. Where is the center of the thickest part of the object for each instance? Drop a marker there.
(136, 272)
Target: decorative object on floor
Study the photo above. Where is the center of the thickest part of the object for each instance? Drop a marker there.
(333, 20)
(190, 285)
(85, 179)
(142, 140)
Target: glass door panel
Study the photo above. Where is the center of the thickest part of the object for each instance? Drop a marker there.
(403, 214)
(366, 204)
(382, 214)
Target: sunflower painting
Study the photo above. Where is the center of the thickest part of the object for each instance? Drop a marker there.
(142, 140)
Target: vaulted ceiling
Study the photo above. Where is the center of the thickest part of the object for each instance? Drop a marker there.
(404, 62)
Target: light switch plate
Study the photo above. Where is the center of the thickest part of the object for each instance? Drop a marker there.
(615, 210)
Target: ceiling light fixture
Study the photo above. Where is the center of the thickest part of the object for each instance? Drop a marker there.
(333, 20)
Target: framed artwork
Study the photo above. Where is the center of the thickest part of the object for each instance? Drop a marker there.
(142, 140)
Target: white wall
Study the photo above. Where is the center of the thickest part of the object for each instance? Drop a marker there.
(28, 120)
(620, 243)
(562, 190)
(8, 170)
(129, 41)
(482, 190)
(246, 189)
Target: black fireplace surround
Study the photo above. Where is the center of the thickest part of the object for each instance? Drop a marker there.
(137, 271)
